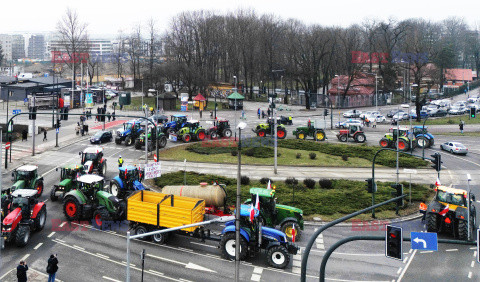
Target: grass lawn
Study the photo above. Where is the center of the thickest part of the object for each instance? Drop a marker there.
(287, 157)
(444, 120)
(472, 134)
(341, 198)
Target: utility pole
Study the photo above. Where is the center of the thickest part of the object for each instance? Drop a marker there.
(33, 128)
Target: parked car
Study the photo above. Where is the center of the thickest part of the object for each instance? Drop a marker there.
(352, 114)
(423, 114)
(460, 103)
(369, 113)
(378, 117)
(454, 148)
(457, 110)
(393, 112)
(101, 137)
(438, 112)
(400, 116)
(346, 123)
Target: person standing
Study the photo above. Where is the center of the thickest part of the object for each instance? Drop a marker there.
(374, 125)
(52, 267)
(44, 135)
(120, 161)
(258, 113)
(24, 135)
(423, 210)
(461, 126)
(22, 271)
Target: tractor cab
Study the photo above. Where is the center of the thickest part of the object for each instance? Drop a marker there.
(130, 173)
(222, 124)
(93, 154)
(24, 199)
(90, 184)
(420, 130)
(402, 131)
(25, 173)
(451, 196)
(71, 172)
(267, 199)
(192, 124)
(353, 128)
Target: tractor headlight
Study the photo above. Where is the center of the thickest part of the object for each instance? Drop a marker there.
(6, 228)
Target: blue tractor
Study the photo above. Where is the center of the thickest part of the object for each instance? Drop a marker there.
(129, 180)
(176, 122)
(254, 237)
(131, 131)
(424, 138)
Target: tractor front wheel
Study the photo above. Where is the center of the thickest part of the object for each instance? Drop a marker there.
(261, 133)
(118, 141)
(227, 245)
(22, 236)
(213, 134)
(40, 219)
(100, 217)
(71, 208)
(360, 138)
(422, 142)
(431, 222)
(201, 135)
(463, 230)
(384, 143)
(288, 227)
(343, 138)
(319, 135)
(53, 197)
(138, 145)
(301, 135)
(115, 189)
(129, 141)
(281, 133)
(278, 257)
(162, 142)
(403, 145)
(187, 138)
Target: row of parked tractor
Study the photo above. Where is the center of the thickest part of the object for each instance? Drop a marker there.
(86, 196)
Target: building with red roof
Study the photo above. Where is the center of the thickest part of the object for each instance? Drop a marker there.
(360, 92)
(457, 77)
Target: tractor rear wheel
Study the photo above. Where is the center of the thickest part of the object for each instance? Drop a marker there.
(431, 222)
(463, 230)
(261, 133)
(227, 133)
(53, 197)
(227, 245)
(40, 219)
(288, 227)
(22, 235)
(213, 134)
(187, 138)
(129, 141)
(71, 208)
(100, 217)
(360, 138)
(103, 168)
(278, 257)
(423, 142)
(301, 135)
(201, 135)
(343, 138)
(138, 145)
(319, 135)
(281, 133)
(39, 187)
(118, 141)
(384, 143)
(162, 141)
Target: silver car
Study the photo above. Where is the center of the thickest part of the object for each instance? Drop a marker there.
(454, 148)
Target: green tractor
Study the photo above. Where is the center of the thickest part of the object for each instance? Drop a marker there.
(92, 200)
(68, 180)
(26, 177)
(263, 129)
(303, 132)
(191, 130)
(273, 214)
(389, 140)
(161, 139)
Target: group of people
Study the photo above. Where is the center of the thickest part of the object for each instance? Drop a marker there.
(262, 113)
(52, 268)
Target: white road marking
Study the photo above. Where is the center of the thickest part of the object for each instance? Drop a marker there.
(110, 279)
(77, 247)
(426, 252)
(38, 246)
(63, 223)
(131, 264)
(475, 254)
(451, 250)
(399, 270)
(205, 245)
(472, 264)
(255, 277)
(187, 265)
(156, 272)
(405, 260)
(102, 255)
(25, 257)
(469, 275)
(473, 248)
(411, 250)
(51, 234)
(296, 270)
(60, 240)
(258, 270)
(406, 267)
(184, 280)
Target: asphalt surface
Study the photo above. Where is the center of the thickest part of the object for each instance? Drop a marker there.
(86, 254)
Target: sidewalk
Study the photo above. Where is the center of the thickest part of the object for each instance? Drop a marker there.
(32, 276)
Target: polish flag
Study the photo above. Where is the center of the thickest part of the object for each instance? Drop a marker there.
(257, 203)
(293, 233)
(437, 183)
(444, 211)
(269, 185)
(252, 213)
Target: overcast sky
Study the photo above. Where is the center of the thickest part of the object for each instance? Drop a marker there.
(106, 17)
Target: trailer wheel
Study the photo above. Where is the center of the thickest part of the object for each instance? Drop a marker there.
(160, 238)
(431, 219)
(22, 236)
(227, 245)
(278, 257)
(141, 230)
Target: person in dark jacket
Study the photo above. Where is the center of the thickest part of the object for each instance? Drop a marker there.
(22, 271)
(52, 268)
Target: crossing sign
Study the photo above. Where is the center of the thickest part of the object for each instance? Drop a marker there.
(57, 130)
(424, 241)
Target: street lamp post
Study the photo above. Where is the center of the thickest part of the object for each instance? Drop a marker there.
(235, 77)
(240, 126)
(154, 139)
(469, 178)
(376, 94)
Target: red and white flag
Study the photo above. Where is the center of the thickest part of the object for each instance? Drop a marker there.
(437, 183)
(269, 185)
(293, 233)
(257, 203)
(444, 211)
(252, 213)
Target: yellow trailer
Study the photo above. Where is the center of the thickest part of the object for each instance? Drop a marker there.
(148, 211)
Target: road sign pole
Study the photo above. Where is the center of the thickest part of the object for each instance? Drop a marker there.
(33, 131)
(56, 136)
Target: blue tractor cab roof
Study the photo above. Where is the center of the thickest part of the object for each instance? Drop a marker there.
(419, 126)
(245, 211)
(179, 115)
(128, 167)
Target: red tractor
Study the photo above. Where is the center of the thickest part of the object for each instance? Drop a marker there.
(221, 128)
(23, 215)
(353, 131)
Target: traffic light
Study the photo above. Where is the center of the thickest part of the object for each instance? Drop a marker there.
(393, 242)
(32, 113)
(437, 161)
(58, 123)
(371, 185)
(398, 192)
(473, 112)
(325, 112)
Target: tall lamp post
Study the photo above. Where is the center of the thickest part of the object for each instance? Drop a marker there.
(156, 133)
(469, 178)
(235, 77)
(240, 126)
(376, 93)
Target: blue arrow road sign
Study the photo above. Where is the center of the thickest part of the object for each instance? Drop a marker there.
(424, 241)
(58, 130)
(15, 112)
(25, 100)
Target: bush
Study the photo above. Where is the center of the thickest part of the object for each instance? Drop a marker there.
(345, 158)
(312, 156)
(309, 183)
(260, 152)
(234, 153)
(245, 180)
(325, 183)
(298, 155)
(264, 180)
(451, 121)
(291, 181)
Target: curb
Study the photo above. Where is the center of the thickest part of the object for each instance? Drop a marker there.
(344, 224)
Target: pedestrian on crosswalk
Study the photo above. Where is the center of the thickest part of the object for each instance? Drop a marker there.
(24, 135)
(44, 135)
